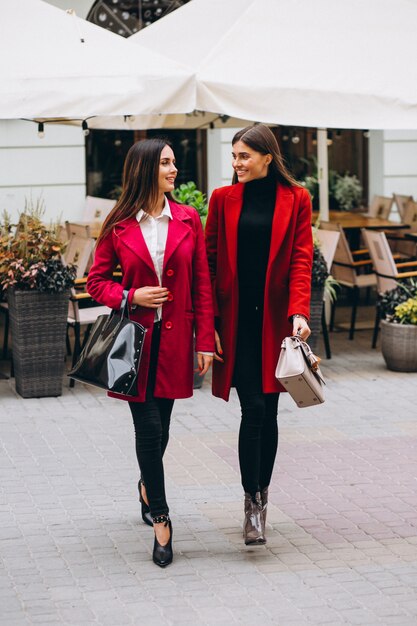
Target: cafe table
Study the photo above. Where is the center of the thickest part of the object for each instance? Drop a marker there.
(352, 222)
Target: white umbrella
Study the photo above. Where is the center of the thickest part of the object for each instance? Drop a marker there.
(194, 120)
(323, 63)
(55, 64)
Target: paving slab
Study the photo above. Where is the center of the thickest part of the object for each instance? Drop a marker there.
(342, 521)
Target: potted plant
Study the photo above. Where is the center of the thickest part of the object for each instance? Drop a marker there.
(398, 310)
(37, 285)
(347, 191)
(187, 193)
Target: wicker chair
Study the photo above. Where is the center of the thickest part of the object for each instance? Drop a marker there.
(387, 271)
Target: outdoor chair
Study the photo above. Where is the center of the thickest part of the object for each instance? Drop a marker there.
(336, 227)
(97, 209)
(347, 272)
(80, 230)
(79, 251)
(328, 243)
(401, 247)
(401, 202)
(381, 207)
(387, 271)
(79, 317)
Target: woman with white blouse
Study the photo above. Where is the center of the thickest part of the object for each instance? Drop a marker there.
(159, 245)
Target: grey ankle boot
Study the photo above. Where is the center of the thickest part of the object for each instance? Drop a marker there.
(264, 503)
(253, 531)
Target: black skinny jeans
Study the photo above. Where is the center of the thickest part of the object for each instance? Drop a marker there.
(151, 420)
(258, 434)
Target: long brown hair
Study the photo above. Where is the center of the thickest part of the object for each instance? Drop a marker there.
(140, 182)
(262, 139)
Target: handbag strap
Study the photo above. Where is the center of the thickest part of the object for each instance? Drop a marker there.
(124, 309)
(311, 358)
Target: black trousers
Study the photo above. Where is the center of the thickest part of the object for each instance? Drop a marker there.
(258, 434)
(151, 421)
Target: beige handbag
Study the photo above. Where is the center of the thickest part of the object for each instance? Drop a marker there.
(298, 371)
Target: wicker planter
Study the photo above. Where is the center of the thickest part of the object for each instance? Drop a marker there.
(316, 308)
(38, 325)
(399, 346)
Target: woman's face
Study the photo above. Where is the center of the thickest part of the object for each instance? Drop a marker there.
(249, 164)
(167, 170)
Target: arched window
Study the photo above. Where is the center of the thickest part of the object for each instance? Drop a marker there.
(126, 17)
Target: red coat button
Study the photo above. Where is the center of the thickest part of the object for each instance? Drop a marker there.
(170, 297)
(168, 325)
(170, 272)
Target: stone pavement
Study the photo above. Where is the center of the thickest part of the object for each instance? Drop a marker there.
(342, 533)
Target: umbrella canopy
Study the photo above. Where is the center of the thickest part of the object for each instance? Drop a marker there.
(194, 120)
(55, 64)
(320, 63)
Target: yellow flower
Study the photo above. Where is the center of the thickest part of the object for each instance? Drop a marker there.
(406, 312)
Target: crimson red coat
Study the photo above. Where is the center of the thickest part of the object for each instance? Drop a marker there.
(288, 276)
(189, 306)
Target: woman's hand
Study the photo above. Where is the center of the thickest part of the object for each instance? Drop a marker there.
(204, 362)
(300, 327)
(150, 297)
(219, 350)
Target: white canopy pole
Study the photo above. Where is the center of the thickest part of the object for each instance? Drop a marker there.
(323, 173)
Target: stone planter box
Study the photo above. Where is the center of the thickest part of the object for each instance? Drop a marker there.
(399, 346)
(38, 324)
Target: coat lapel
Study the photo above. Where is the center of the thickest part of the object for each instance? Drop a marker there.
(178, 228)
(232, 210)
(130, 233)
(284, 202)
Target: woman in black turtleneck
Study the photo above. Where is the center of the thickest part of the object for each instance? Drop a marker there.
(259, 246)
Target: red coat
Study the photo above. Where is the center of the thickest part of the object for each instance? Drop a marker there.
(288, 276)
(185, 274)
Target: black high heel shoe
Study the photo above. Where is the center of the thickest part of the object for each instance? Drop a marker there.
(145, 510)
(163, 555)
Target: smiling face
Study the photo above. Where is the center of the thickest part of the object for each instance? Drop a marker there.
(248, 163)
(167, 170)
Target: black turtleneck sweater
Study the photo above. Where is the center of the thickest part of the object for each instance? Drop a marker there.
(254, 238)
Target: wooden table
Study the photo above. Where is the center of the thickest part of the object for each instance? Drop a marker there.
(353, 222)
(350, 221)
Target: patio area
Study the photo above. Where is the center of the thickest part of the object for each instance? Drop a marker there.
(342, 532)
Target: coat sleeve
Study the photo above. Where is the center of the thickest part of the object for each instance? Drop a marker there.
(201, 293)
(301, 261)
(211, 234)
(100, 283)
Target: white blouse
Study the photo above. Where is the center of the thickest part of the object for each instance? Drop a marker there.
(155, 233)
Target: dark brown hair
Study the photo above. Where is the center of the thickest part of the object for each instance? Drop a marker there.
(140, 182)
(262, 139)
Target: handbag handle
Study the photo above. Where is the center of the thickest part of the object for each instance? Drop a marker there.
(122, 312)
(310, 356)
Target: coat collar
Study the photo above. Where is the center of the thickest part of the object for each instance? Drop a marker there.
(130, 234)
(284, 202)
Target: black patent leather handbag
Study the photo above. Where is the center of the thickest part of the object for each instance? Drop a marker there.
(111, 356)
